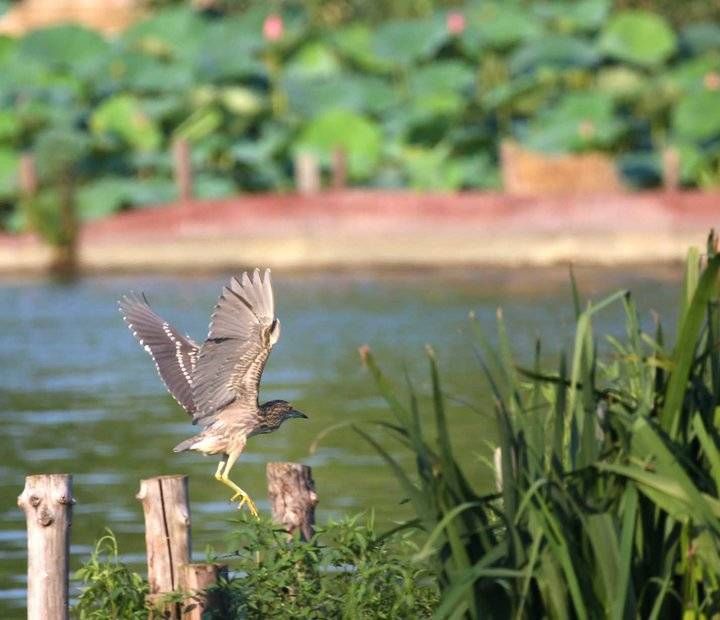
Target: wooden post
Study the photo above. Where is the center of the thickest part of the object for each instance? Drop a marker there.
(195, 579)
(339, 168)
(671, 169)
(183, 169)
(291, 490)
(27, 175)
(307, 173)
(47, 503)
(167, 535)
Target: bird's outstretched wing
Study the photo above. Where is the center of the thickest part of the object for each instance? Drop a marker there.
(174, 355)
(243, 329)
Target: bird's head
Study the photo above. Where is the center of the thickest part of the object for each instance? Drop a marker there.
(275, 412)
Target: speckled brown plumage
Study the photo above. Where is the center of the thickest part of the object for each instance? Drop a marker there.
(218, 382)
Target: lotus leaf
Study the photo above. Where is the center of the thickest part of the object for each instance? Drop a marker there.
(9, 163)
(697, 116)
(621, 83)
(700, 73)
(164, 108)
(122, 115)
(495, 25)
(68, 48)
(8, 46)
(355, 42)
(200, 124)
(207, 186)
(309, 98)
(692, 162)
(359, 136)
(241, 101)
(638, 37)
(59, 151)
(701, 37)
(402, 42)
(442, 75)
(104, 197)
(432, 169)
(173, 32)
(577, 122)
(261, 148)
(229, 50)
(578, 16)
(559, 51)
(10, 125)
(147, 74)
(313, 60)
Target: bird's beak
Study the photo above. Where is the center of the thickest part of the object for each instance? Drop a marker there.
(297, 414)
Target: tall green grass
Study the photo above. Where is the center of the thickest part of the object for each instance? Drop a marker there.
(608, 471)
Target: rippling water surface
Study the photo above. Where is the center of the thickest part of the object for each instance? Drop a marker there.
(78, 395)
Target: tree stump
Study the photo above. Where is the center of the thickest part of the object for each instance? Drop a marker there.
(183, 169)
(167, 536)
(195, 579)
(339, 168)
(47, 503)
(307, 173)
(291, 490)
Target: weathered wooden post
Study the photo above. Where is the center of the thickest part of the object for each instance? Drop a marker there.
(291, 490)
(167, 536)
(307, 173)
(339, 168)
(195, 579)
(27, 175)
(183, 169)
(47, 503)
(671, 169)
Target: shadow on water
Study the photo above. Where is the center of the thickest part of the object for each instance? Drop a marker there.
(78, 395)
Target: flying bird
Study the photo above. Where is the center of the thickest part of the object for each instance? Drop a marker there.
(217, 382)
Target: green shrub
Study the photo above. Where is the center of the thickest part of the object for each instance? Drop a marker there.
(346, 571)
(110, 591)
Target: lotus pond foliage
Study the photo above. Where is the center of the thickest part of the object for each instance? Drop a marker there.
(420, 101)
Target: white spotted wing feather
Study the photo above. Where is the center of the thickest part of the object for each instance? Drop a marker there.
(243, 330)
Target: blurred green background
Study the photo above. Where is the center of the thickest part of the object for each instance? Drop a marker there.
(419, 94)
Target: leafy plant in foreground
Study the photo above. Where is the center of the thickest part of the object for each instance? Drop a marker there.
(111, 590)
(608, 473)
(345, 571)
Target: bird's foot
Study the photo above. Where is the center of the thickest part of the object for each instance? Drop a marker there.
(245, 499)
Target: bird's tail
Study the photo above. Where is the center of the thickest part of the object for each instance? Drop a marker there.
(185, 445)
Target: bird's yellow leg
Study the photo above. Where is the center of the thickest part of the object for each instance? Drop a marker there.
(222, 475)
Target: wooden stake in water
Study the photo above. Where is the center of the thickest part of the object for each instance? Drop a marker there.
(196, 579)
(307, 173)
(167, 535)
(339, 168)
(291, 490)
(47, 503)
(183, 169)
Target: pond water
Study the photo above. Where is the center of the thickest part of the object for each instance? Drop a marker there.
(78, 395)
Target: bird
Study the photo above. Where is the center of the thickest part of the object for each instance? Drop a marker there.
(218, 382)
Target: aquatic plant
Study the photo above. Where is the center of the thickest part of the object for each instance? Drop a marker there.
(422, 89)
(346, 570)
(607, 468)
(110, 590)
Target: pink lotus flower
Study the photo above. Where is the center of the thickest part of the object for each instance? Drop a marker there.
(455, 22)
(273, 27)
(711, 81)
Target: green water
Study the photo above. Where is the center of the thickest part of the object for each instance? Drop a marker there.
(78, 395)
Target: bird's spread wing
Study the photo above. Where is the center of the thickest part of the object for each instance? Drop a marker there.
(174, 355)
(243, 329)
